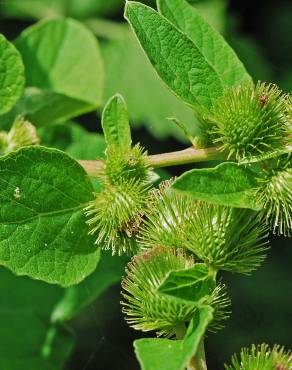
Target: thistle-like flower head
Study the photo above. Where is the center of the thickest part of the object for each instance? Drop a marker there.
(168, 215)
(146, 309)
(249, 121)
(115, 213)
(224, 238)
(124, 165)
(276, 194)
(262, 357)
(227, 238)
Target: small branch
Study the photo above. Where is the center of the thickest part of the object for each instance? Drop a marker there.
(186, 156)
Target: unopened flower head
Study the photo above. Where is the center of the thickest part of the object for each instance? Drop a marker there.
(250, 121)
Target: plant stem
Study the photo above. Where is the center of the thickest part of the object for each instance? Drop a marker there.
(180, 331)
(198, 362)
(189, 155)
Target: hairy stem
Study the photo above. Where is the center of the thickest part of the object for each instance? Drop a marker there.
(189, 155)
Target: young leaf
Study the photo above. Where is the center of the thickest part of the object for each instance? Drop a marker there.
(160, 102)
(210, 43)
(11, 75)
(227, 184)
(115, 123)
(109, 271)
(28, 339)
(43, 233)
(166, 354)
(69, 79)
(189, 285)
(177, 60)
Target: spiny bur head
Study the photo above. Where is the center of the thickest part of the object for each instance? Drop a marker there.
(167, 221)
(261, 357)
(123, 165)
(144, 307)
(221, 304)
(114, 215)
(249, 121)
(22, 133)
(227, 238)
(224, 238)
(276, 194)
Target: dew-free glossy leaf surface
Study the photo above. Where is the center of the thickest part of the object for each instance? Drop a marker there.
(62, 59)
(166, 354)
(211, 44)
(115, 123)
(11, 75)
(43, 233)
(189, 285)
(228, 184)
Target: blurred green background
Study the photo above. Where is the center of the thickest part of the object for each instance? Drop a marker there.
(260, 32)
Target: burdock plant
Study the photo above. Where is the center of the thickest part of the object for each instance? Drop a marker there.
(182, 233)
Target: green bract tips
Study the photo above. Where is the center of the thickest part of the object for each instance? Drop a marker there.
(229, 239)
(115, 213)
(144, 307)
(276, 194)
(224, 238)
(126, 164)
(168, 216)
(22, 133)
(147, 309)
(261, 357)
(250, 121)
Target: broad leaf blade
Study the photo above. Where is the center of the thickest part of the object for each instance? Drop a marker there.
(166, 354)
(189, 285)
(43, 233)
(11, 75)
(62, 59)
(210, 43)
(115, 123)
(109, 271)
(227, 184)
(148, 99)
(179, 63)
(28, 339)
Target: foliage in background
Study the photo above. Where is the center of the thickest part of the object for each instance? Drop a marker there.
(49, 86)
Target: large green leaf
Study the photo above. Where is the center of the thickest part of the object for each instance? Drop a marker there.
(63, 64)
(43, 233)
(38, 9)
(74, 140)
(166, 354)
(190, 285)
(148, 99)
(11, 75)
(115, 123)
(210, 43)
(177, 60)
(28, 339)
(109, 271)
(228, 184)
